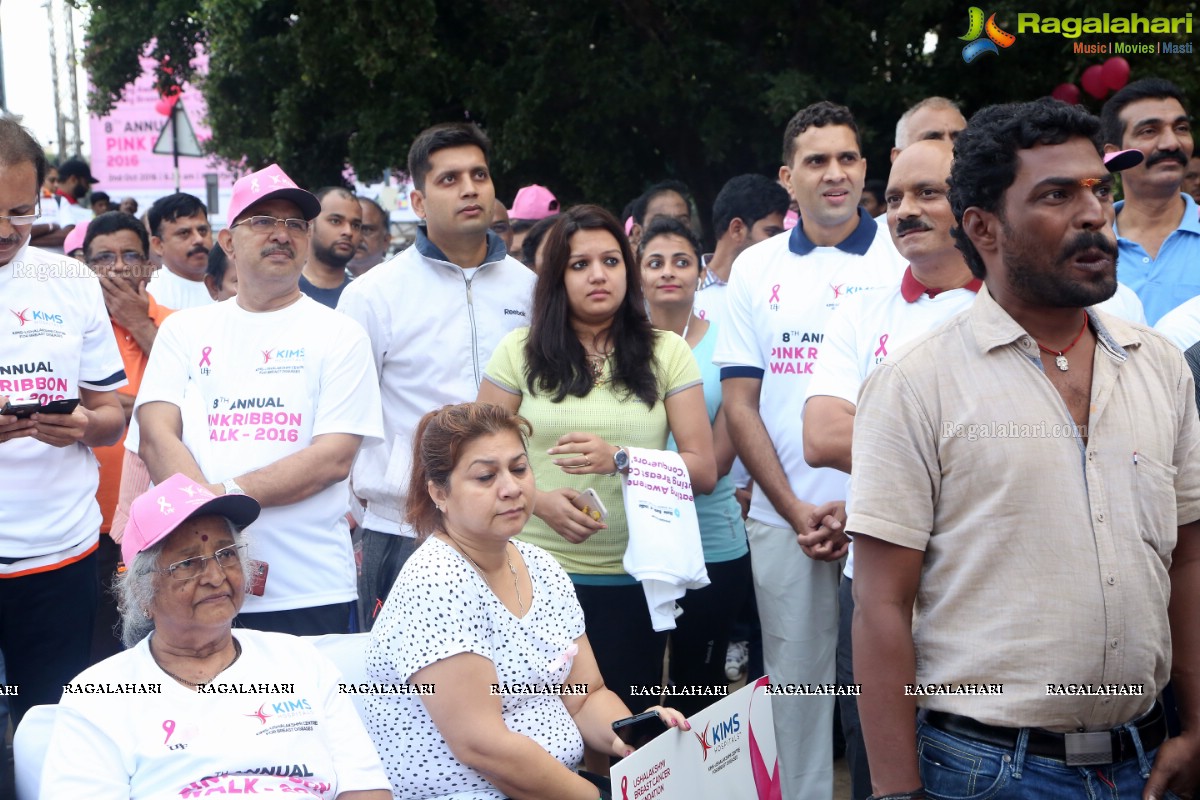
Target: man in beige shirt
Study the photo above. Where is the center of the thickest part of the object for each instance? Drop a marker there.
(1027, 479)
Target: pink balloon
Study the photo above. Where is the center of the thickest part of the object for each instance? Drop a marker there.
(1067, 92)
(165, 105)
(1116, 73)
(1093, 81)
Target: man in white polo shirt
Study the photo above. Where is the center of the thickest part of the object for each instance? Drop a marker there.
(865, 330)
(269, 394)
(781, 295)
(55, 344)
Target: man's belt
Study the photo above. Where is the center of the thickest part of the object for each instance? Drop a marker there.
(1075, 749)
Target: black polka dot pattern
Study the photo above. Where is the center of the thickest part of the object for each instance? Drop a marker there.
(440, 607)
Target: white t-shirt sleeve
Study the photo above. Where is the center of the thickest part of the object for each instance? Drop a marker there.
(1125, 304)
(349, 401)
(1181, 324)
(737, 344)
(99, 767)
(167, 374)
(837, 373)
(101, 367)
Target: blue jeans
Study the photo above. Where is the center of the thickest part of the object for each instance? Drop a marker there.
(956, 768)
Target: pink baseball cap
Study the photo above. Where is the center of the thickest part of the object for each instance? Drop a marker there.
(74, 239)
(267, 184)
(533, 202)
(154, 515)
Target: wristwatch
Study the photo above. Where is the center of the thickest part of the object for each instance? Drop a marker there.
(231, 487)
(621, 459)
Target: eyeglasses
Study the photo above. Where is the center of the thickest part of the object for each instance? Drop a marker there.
(23, 219)
(265, 226)
(194, 567)
(130, 258)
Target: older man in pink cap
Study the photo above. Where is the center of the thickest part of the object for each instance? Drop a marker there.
(269, 394)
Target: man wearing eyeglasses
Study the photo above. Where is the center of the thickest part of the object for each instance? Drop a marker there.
(269, 394)
(55, 344)
(115, 248)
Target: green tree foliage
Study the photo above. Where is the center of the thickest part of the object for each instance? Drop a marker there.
(596, 99)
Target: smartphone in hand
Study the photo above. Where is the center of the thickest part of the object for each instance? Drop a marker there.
(640, 728)
(589, 503)
(27, 410)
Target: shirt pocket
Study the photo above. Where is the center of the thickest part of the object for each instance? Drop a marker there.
(1154, 489)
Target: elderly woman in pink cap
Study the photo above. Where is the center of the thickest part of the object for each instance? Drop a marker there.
(193, 707)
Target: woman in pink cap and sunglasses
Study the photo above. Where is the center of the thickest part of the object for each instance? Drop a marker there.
(193, 707)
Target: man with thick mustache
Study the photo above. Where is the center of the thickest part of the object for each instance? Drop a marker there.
(1027, 480)
(181, 236)
(269, 394)
(866, 329)
(1157, 224)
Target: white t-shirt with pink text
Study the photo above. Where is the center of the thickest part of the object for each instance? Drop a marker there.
(259, 387)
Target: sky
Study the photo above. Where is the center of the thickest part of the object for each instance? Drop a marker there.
(28, 87)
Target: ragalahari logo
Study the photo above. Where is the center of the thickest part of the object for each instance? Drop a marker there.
(996, 38)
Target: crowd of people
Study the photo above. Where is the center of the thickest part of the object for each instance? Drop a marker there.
(941, 431)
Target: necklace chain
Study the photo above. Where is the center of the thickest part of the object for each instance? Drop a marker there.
(1061, 355)
(511, 568)
(237, 653)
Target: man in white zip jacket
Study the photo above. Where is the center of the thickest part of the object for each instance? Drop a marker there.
(433, 313)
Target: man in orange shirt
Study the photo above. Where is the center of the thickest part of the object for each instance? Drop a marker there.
(116, 248)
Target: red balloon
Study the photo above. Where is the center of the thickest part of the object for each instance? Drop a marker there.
(166, 105)
(1116, 73)
(1067, 92)
(1093, 81)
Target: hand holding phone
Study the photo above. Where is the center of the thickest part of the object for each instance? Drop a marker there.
(27, 410)
(589, 503)
(640, 728)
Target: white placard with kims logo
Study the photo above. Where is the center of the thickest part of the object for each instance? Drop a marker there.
(729, 754)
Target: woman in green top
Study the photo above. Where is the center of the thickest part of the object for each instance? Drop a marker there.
(593, 378)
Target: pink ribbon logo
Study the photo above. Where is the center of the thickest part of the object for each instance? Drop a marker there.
(882, 349)
(766, 784)
(775, 293)
(204, 362)
(625, 787)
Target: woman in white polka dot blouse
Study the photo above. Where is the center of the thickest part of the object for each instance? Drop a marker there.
(488, 687)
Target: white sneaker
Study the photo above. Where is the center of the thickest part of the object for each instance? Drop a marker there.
(737, 658)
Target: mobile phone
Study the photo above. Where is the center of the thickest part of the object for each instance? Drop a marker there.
(27, 410)
(258, 577)
(589, 503)
(640, 728)
(59, 406)
(24, 411)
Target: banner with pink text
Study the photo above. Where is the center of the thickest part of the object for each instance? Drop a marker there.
(728, 753)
